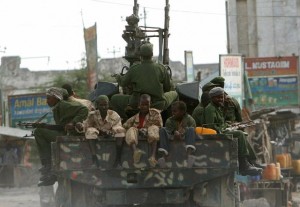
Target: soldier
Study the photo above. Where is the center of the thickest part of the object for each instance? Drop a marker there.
(198, 111)
(180, 126)
(145, 78)
(71, 96)
(103, 122)
(232, 108)
(146, 123)
(233, 114)
(66, 114)
(214, 119)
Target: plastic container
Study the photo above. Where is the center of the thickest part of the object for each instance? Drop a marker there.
(203, 130)
(282, 159)
(269, 172)
(296, 166)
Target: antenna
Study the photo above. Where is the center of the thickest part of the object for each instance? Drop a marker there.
(114, 51)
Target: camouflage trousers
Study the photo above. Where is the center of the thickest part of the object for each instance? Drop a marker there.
(119, 102)
(92, 132)
(133, 133)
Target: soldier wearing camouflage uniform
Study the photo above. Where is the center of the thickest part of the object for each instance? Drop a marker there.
(103, 122)
(146, 123)
(214, 119)
(66, 114)
(147, 77)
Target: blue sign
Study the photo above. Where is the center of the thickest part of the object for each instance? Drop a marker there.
(28, 108)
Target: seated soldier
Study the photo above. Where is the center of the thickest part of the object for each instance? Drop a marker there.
(103, 122)
(214, 118)
(146, 77)
(71, 96)
(199, 110)
(66, 114)
(145, 123)
(180, 126)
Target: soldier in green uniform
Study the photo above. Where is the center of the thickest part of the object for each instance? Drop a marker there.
(232, 108)
(180, 126)
(198, 111)
(214, 119)
(66, 114)
(233, 114)
(147, 77)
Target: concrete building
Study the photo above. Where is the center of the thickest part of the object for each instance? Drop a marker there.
(15, 80)
(263, 28)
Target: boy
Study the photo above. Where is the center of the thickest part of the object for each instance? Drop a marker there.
(180, 126)
(146, 123)
(106, 123)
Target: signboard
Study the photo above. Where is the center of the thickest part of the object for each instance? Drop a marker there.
(28, 108)
(231, 68)
(189, 66)
(273, 81)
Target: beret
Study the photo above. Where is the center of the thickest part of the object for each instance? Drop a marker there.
(208, 86)
(218, 80)
(216, 92)
(101, 98)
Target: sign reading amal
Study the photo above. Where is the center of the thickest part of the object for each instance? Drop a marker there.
(28, 108)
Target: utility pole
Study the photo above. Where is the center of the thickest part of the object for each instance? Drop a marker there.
(144, 17)
(114, 51)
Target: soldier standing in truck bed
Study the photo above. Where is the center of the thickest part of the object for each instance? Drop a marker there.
(66, 114)
(145, 78)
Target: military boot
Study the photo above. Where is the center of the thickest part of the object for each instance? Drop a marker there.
(47, 176)
(245, 168)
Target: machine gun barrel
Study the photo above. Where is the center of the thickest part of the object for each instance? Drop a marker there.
(241, 125)
(33, 125)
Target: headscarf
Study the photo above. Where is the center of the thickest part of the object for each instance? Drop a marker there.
(56, 92)
(216, 92)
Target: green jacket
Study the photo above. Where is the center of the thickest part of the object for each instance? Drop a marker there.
(148, 77)
(214, 118)
(232, 110)
(198, 114)
(65, 112)
(173, 125)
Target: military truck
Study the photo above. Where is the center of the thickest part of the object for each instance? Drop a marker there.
(209, 183)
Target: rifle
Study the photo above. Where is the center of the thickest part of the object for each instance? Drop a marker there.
(32, 125)
(240, 126)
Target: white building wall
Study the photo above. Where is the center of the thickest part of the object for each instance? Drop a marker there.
(273, 27)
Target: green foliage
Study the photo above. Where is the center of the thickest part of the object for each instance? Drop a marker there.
(77, 79)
